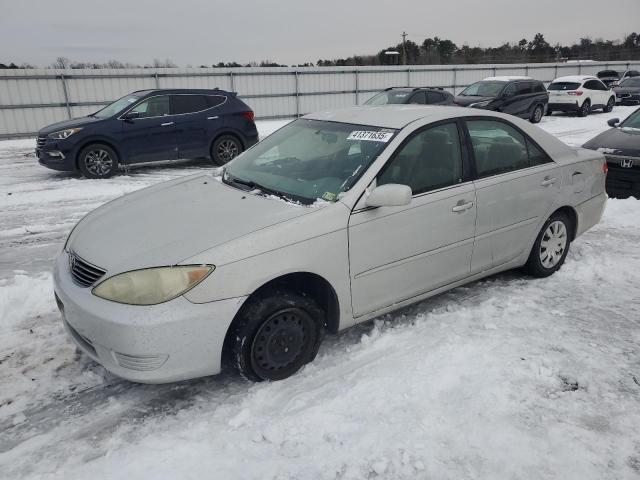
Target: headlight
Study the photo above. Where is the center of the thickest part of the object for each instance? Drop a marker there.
(481, 104)
(152, 285)
(62, 134)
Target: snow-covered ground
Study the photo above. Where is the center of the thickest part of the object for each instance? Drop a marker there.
(508, 377)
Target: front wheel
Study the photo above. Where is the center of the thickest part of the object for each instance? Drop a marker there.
(537, 114)
(225, 149)
(585, 109)
(610, 104)
(97, 161)
(551, 247)
(277, 333)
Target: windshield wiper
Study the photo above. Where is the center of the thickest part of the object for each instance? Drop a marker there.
(231, 180)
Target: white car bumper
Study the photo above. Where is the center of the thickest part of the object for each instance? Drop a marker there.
(172, 341)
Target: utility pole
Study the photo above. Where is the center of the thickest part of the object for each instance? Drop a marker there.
(404, 48)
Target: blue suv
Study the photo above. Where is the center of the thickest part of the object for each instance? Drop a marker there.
(148, 126)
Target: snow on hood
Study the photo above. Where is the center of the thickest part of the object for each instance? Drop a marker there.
(167, 223)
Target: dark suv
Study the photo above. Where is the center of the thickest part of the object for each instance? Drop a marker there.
(520, 96)
(147, 126)
(412, 95)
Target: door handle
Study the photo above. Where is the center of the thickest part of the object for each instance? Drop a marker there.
(548, 181)
(462, 207)
(166, 124)
(212, 118)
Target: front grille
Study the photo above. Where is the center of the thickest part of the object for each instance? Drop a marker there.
(41, 141)
(623, 162)
(84, 273)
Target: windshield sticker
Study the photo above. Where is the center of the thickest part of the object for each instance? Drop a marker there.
(329, 196)
(383, 137)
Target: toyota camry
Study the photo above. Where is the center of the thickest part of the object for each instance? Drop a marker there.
(338, 217)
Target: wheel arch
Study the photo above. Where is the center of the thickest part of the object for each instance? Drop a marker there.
(98, 140)
(305, 283)
(573, 217)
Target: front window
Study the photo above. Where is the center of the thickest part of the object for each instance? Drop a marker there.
(483, 89)
(116, 107)
(308, 160)
(153, 107)
(389, 97)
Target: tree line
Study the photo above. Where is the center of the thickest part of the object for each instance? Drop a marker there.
(432, 51)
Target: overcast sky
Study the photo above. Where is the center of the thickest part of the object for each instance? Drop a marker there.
(286, 31)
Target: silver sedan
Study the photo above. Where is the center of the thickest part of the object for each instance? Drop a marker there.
(336, 218)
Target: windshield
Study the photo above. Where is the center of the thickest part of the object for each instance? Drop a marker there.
(564, 86)
(388, 98)
(115, 107)
(308, 160)
(631, 82)
(633, 121)
(483, 89)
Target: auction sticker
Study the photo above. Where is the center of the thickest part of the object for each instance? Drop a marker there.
(383, 137)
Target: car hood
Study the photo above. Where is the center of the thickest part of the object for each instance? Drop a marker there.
(617, 141)
(465, 101)
(626, 90)
(168, 223)
(73, 123)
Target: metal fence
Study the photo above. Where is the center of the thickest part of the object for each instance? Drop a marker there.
(31, 99)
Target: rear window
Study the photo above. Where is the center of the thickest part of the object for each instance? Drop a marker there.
(538, 87)
(564, 86)
(188, 103)
(215, 100)
(389, 97)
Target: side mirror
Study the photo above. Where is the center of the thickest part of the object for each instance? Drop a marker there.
(389, 195)
(613, 122)
(130, 115)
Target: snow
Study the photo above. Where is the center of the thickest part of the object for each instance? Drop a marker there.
(509, 377)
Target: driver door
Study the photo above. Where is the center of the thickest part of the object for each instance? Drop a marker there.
(397, 253)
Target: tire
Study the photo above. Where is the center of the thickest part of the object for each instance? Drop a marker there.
(225, 148)
(551, 246)
(609, 106)
(585, 109)
(276, 334)
(97, 161)
(537, 114)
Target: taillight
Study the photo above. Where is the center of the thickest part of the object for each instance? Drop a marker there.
(249, 115)
(577, 94)
(605, 167)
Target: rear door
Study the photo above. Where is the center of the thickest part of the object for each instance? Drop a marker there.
(195, 121)
(152, 135)
(519, 104)
(397, 253)
(516, 187)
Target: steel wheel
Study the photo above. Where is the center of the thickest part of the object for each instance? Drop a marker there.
(553, 244)
(227, 150)
(280, 343)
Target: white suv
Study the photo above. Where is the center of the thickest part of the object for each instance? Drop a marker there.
(580, 93)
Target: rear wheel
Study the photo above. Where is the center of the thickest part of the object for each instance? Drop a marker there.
(277, 333)
(585, 109)
(551, 247)
(225, 149)
(97, 161)
(537, 114)
(610, 104)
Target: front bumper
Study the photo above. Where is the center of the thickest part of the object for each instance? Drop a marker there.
(56, 154)
(628, 99)
(172, 341)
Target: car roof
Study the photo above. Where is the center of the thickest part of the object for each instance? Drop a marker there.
(575, 78)
(506, 78)
(414, 89)
(395, 116)
(182, 91)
